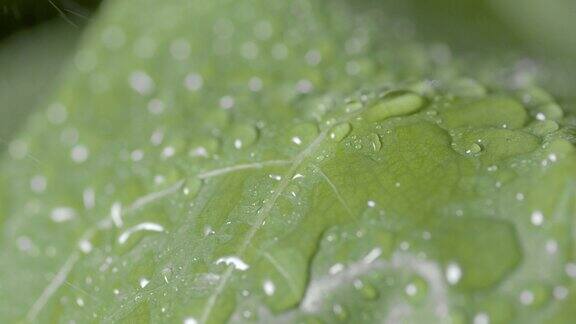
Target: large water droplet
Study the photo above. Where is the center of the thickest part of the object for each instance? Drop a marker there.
(396, 103)
(535, 96)
(541, 128)
(549, 111)
(467, 88)
(502, 112)
(497, 241)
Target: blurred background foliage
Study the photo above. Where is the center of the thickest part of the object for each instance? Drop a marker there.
(38, 36)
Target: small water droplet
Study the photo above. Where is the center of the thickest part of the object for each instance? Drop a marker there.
(192, 187)
(535, 295)
(85, 246)
(375, 143)
(369, 292)
(204, 147)
(143, 282)
(481, 318)
(453, 273)
(474, 149)
(416, 290)
(269, 287)
(340, 312)
(560, 292)
(535, 96)
(303, 133)
(340, 131)
(190, 320)
(353, 105)
(537, 218)
(570, 270)
(142, 227)
(244, 136)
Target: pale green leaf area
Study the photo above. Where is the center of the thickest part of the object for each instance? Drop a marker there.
(290, 162)
(29, 65)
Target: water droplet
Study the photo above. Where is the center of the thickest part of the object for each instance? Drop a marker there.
(141, 82)
(500, 241)
(481, 318)
(375, 143)
(416, 290)
(57, 113)
(144, 282)
(474, 149)
(550, 111)
(113, 37)
(541, 128)
(369, 292)
(227, 102)
(190, 320)
(244, 135)
(535, 96)
(62, 214)
(192, 187)
(535, 295)
(193, 82)
(79, 153)
(560, 292)
(180, 49)
(340, 131)
(150, 227)
(269, 287)
(204, 147)
(340, 312)
(303, 133)
(353, 105)
(396, 103)
(234, 261)
(453, 273)
(38, 184)
(570, 270)
(156, 106)
(467, 88)
(18, 149)
(537, 218)
(85, 246)
(493, 111)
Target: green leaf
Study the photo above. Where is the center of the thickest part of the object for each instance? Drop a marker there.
(30, 62)
(264, 161)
